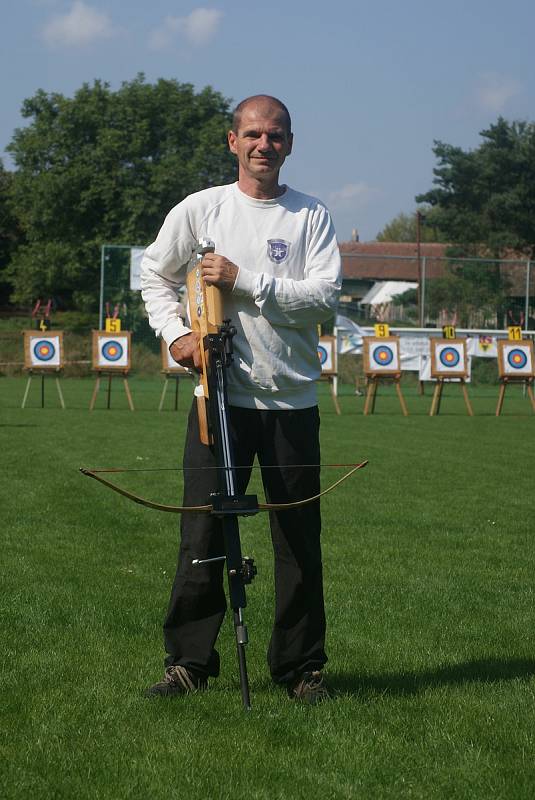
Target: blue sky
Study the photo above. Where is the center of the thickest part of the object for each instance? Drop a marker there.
(369, 85)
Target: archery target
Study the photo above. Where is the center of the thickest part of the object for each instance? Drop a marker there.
(43, 351)
(327, 354)
(111, 350)
(449, 357)
(516, 359)
(383, 355)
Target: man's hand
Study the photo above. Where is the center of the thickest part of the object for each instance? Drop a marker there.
(185, 351)
(219, 271)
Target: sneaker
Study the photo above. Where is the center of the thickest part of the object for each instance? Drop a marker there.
(309, 688)
(177, 680)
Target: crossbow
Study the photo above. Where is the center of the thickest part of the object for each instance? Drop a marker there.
(216, 351)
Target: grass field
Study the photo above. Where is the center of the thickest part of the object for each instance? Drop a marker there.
(429, 571)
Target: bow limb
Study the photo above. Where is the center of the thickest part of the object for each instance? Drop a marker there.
(142, 500)
(299, 503)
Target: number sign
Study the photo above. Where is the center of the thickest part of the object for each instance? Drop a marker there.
(382, 331)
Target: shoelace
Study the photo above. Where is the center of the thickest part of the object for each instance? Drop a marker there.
(312, 684)
(179, 674)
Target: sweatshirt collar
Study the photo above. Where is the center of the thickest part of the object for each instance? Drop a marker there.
(253, 201)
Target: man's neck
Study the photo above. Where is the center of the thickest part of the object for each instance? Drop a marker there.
(260, 190)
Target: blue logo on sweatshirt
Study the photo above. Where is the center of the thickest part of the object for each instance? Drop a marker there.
(278, 250)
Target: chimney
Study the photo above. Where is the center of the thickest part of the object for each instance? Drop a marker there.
(354, 235)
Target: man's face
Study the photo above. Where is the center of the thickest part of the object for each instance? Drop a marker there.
(262, 141)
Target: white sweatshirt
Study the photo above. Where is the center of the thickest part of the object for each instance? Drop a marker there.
(288, 281)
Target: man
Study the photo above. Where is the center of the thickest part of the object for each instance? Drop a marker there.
(278, 267)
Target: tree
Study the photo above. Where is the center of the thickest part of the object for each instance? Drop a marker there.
(403, 228)
(10, 233)
(105, 167)
(484, 199)
(484, 202)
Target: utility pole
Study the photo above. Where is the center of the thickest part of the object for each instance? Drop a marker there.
(419, 219)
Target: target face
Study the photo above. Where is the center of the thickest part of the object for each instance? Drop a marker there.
(515, 359)
(111, 350)
(327, 355)
(448, 357)
(43, 351)
(381, 355)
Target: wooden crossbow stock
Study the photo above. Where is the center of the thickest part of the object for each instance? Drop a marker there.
(206, 315)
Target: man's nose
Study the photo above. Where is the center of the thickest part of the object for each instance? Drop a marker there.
(264, 143)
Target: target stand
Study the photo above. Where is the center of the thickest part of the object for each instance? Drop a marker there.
(515, 365)
(382, 363)
(449, 362)
(43, 355)
(111, 358)
(172, 372)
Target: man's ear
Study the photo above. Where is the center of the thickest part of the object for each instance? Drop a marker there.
(290, 143)
(231, 139)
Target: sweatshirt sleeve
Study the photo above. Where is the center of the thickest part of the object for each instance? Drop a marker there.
(312, 299)
(163, 273)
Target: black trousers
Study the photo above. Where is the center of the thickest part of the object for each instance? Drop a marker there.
(197, 605)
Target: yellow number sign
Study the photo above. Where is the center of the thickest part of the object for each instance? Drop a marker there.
(113, 325)
(381, 330)
(514, 333)
(448, 331)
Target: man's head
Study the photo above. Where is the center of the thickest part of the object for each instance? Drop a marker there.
(261, 138)
(265, 101)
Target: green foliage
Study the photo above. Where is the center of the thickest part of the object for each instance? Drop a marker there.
(105, 167)
(10, 233)
(403, 228)
(484, 202)
(485, 198)
(474, 291)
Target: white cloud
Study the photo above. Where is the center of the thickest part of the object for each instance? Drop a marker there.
(352, 195)
(494, 92)
(81, 25)
(197, 28)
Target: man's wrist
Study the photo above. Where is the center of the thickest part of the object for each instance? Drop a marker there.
(245, 282)
(174, 330)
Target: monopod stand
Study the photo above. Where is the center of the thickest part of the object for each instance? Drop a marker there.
(228, 505)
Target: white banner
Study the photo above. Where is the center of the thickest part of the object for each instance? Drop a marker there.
(482, 346)
(136, 254)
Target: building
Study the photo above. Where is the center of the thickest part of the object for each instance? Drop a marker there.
(365, 263)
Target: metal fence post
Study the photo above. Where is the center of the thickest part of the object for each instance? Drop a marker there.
(424, 262)
(101, 299)
(526, 308)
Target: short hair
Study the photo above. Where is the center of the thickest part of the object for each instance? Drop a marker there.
(266, 99)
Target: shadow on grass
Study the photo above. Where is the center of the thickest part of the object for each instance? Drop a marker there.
(18, 425)
(412, 683)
